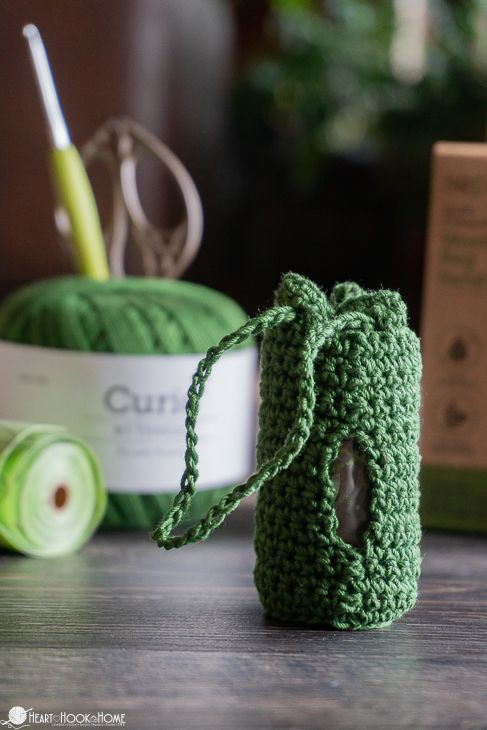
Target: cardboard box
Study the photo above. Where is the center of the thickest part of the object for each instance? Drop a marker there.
(454, 342)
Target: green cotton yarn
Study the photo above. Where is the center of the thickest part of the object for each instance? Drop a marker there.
(332, 369)
(130, 316)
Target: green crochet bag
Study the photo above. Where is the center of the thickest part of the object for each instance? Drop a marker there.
(338, 374)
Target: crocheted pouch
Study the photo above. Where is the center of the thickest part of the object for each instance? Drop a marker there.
(337, 521)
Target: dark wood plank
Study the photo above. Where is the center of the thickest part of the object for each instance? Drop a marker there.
(178, 640)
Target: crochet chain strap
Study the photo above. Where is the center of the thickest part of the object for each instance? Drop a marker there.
(283, 457)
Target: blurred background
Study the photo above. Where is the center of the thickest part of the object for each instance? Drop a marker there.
(306, 125)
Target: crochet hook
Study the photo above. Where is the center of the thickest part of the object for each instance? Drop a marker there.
(70, 178)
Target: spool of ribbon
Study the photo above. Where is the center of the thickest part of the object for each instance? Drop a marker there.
(52, 496)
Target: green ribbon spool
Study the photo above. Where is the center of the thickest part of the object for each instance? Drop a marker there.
(52, 496)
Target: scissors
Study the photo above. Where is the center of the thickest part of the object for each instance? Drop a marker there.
(119, 144)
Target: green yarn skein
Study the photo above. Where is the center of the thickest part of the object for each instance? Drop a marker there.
(333, 369)
(129, 316)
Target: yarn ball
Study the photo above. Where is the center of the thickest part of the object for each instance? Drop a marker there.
(127, 316)
(367, 389)
(17, 715)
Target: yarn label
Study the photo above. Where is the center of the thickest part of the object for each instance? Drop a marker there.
(131, 410)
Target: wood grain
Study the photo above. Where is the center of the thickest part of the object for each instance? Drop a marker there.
(178, 640)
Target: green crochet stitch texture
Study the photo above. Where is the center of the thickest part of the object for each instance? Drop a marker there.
(346, 367)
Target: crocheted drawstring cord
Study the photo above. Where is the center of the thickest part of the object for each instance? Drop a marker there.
(317, 331)
(269, 319)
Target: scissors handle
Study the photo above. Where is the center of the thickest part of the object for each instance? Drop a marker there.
(120, 144)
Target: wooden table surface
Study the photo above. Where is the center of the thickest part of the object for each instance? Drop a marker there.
(178, 640)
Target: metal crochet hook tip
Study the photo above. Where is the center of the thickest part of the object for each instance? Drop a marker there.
(29, 30)
(58, 131)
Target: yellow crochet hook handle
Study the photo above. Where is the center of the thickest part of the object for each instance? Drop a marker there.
(71, 180)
